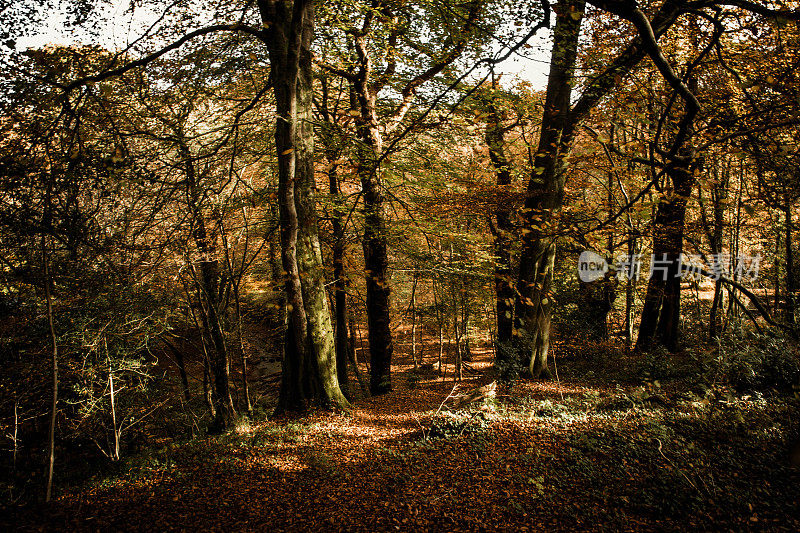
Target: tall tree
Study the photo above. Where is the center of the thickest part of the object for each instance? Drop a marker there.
(309, 367)
(533, 304)
(382, 41)
(332, 133)
(545, 194)
(502, 228)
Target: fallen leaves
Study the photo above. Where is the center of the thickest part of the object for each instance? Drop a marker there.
(548, 456)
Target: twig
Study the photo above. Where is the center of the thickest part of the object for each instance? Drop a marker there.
(673, 466)
(560, 389)
(425, 434)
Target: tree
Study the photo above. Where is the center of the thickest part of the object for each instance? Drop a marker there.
(309, 367)
(381, 39)
(74, 207)
(502, 228)
(533, 305)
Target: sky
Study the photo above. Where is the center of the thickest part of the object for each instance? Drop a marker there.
(121, 26)
(534, 65)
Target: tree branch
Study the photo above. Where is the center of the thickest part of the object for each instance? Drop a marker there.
(155, 55)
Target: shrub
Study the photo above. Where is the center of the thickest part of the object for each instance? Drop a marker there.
(755, 361)
(656, 365)
(447, 425)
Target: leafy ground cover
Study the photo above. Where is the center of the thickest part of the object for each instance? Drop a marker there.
(592, 453)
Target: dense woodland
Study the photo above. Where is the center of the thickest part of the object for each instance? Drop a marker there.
(277, 265)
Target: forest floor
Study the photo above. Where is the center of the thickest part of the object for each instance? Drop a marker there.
(586, 452)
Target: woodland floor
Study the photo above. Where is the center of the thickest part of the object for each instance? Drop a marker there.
(587, 452)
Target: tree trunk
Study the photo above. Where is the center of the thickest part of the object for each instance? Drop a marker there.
(466, 354)
(332, 147)
(220, 364)
(790, 288)
(207, 282)
(661, 311)
(413, 309)
(715, 305)
(533, 305)
(439, 323)
(309, 367)
(51, 435)
(630, 289)
(351, 323)
(502, 228)
(207, 394)
(248, 404)
(323, 344)
(112, 397)
(720, 192)
(456, 329)
(777, 296)
(339, 285)
(375, 244)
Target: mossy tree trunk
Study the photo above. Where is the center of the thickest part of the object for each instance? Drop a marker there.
(334, 141)
(533, 304)
(309, 366)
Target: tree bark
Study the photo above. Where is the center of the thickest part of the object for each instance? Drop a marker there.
(413, 308)
(375, 243)
(715, 233)
(51, 435)
(207, 282)
(219, 362)
(332, 147)
(661, 311)
(777, 296)
(502, 228)
(351, 324)
(114, 454)
(339, 285)
(323, 360)
(309, 366)
(207, 394)
(630, 290)
(533, 305)
(790, 282)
